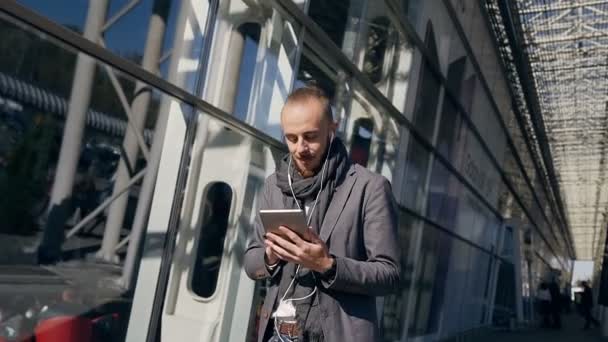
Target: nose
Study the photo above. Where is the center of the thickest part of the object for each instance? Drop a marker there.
(302, 146)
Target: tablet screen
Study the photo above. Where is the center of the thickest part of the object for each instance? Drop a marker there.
(293, 219)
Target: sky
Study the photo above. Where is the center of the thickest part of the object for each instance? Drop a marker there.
(126, 37)
(583, 270)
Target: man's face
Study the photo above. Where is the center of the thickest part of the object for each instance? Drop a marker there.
(307, 131)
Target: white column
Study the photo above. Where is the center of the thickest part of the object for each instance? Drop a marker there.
(152, 52)
(179, 70)
(72, 137)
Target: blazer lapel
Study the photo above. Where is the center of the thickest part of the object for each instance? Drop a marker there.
(337, 204)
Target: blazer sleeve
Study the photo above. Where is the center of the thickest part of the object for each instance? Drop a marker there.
(255, 266)
(379, 274)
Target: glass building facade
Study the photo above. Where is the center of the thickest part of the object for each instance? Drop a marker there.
(137, 135)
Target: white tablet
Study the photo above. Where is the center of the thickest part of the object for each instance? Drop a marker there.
(293, 219)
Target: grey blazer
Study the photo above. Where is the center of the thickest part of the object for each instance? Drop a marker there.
(360, 229)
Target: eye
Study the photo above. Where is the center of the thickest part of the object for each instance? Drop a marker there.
(310, 136)
(291, 138)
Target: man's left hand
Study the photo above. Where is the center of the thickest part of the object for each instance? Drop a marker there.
(310, 251)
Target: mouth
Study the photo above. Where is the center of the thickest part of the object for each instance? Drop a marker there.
(305, 159)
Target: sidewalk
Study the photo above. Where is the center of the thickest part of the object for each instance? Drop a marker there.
(571, 331)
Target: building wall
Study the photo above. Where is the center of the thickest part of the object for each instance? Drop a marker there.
(421, 98)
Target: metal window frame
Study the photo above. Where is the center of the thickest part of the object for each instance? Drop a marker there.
(76, 41)
(67, 37)
(333, 52)
(408, 30)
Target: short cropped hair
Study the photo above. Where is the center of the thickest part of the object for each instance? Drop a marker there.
(312, 91)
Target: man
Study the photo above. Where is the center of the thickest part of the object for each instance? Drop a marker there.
(323, 285)
(556, 301)
(586, 305)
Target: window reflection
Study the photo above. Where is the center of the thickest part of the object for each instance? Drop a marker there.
(313, 71)
(250, 37)
(428, 263)
(449, 138)
(395, 306)
(417, 164)
(68, 232)
(425, 110)
(362, 139)
(376, 49)
(331, 16)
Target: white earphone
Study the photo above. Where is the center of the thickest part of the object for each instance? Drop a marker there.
(307, 221)
(331, 140)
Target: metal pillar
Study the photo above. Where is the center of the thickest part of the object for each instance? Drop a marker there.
(69, 154)
(152, 52)
(147, 190)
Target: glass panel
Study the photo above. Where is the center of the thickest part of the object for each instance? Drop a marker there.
(71, 14)
(412, 9)
(211, 239)
(341, 21)
(451, 136)
(395, 306)
(457, 270)
(383, 143)
(452, 287)
(452, 205)
(459, 74)
(74, 183)
(323, 72)
(445, 196)
(250, 34)
(416, 169)
(478, 169)
(429, 261)
(362, 139)
(432, 17)
(366, 35)
(254, 74)
(504, 302)
(427, 96)
(476, 300)
(127, 27)
(333, 17)
(488, 126)
(386, 56)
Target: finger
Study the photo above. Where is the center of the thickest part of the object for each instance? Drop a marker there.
(295, 238)
(284, 243)
(269, 234)
(282, 253)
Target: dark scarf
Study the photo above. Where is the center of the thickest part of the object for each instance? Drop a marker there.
(306, 189)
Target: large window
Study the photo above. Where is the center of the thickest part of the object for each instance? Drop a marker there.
(427, 99)
(331, 16)
(363, 131)
(250, 35)
(71, 185)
